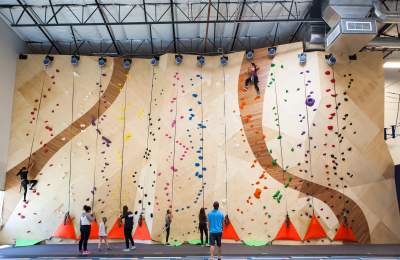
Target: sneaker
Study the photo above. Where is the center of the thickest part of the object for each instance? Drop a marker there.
(126, 250)
(133, 247)
(109, 248)
(99, 249)
(86, 252)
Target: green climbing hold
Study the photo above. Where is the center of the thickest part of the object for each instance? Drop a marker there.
(272, 65)
(279, 137)
(274, 163)
(292, 150)
(276, 194)
(281, 66)
(26, 242)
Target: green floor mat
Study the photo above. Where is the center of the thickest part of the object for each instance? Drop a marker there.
(175, 243)
(26, 242)
(194, 242)
(255, 243)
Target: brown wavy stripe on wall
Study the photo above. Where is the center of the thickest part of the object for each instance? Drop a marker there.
(255, 138)
(46, 152)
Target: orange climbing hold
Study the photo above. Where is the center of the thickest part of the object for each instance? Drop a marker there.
(66, 229)
(229, 232)
(257, 193)
(117, 230)
(315, 229)
(142, 232)
(345, 233)
(287, 231)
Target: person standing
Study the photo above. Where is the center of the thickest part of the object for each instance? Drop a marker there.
(127, 216)
(203, 226)
(168, 221)
(103, 234)
(23, 174)
(85, 223)
(215, 225)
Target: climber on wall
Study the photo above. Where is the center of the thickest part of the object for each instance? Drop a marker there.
(23, 174)
(253, 78)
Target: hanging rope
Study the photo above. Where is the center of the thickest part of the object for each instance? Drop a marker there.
(97, 138)
(280, 145)
(308, 138)
(123, 142)
(338, 140)
(147, 151)
(70, 143)
(37, 116)
(202, 134)
(225, 155)
(174, 151)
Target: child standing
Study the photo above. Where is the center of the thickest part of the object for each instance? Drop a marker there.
(103, 234)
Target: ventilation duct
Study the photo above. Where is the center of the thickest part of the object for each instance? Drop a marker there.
(351, 29)
(384, 43)
(314, 37)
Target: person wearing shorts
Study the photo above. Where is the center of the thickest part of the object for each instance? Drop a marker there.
(215, 225)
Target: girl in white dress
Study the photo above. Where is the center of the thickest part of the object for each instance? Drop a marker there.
(103, 234)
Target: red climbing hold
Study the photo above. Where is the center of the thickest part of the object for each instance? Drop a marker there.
(287, 231)
(117, 230)
(315, 229)
(66, 229)
(345, 233)
(229, 232)
(142, 232)
(327, 72)
(330, 127)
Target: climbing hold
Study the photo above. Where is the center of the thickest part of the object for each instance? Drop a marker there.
(330, 127)
(310, 101)
(257, 193)
(229, 232)
(315, 230)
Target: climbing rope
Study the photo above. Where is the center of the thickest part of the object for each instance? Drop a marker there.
(149, 123)
(70, 143)
(280, 145)
(202, 134)
(97, 137)
(309, 139)
(338, 140)
(37, 117)
(123, 142)
(225, 155)
(174, 151)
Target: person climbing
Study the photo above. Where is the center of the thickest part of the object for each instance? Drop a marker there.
(168, 221)
(253, 78)
(215, 225)
(203, 226)
(85, 223)
(23, 174)
(103, 234)
(127, 216)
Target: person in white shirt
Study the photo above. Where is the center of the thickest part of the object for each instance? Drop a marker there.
(103, 234)
(85, 223)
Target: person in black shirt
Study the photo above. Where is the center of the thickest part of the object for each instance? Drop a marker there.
(128, 227)
(23, 174)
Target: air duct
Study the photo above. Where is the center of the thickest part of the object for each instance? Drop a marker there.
(384, 43)
(351, 29)
(383, 16)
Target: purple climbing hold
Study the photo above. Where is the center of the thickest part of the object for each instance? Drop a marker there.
(310, 101)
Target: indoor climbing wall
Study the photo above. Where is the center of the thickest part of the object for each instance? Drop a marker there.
(308, 149)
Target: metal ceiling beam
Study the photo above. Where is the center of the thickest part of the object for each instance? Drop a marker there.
(36, 24)
(173, 23)
(311, 20)
(238, 25)
(52, 9)
(108, 27)
(150, 31)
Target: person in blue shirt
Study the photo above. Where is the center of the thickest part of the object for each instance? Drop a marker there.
(215, 225)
